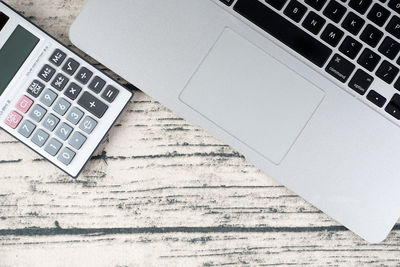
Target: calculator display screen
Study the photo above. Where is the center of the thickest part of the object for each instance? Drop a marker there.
(14, 53)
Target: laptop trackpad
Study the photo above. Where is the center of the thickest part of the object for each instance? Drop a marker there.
(252, 96)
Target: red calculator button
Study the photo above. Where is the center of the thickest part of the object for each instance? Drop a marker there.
(24, 104)
(13, 119)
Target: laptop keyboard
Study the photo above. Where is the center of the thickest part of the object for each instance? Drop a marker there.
(353, 41)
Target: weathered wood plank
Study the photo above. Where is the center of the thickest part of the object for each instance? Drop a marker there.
(160, 192)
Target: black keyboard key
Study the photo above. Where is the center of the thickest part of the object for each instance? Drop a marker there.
(353, 23)
(313, 22)
(376, 98)
(110, 93)
(295, 10)
(97, 84)
(397, 84)
(340, 68)
(334, 11)
(317, 4)
(369, 59)
(350, 47)
(395, 5)
(35, 88)
(378, 14)
(84, 75)
(59, 82)
(70, 66)
(93, 105)
(332, 35)
(278, 4)
(73, 90)
(227, 2)
(393, 108)
(360, 6)
(389, 48)
(371, 35)
(57, 57)
(47, 73)
(361, 82)
(292, 36)
(387, 71)
(393, 27)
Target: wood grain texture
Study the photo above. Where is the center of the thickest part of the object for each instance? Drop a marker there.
(160, 192)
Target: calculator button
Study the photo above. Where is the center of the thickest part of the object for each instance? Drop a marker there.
(26, 129)
(66, 156)
(53, 146)
(110, 93)
(13, 119)
(46, 73)
(75, 115)
(37, 113)
(59, 82)
(88, 125)
(92, 104)
(61, 106)
(48, 97)
(51, 122)
(84, 75)
(36, 88)
(97, 84)
(77, 140)
(24, 104)
(57, 57)
(64, 131)
(40, 137)
(70, 66)
(73, 91)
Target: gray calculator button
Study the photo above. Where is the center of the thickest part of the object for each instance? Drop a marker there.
(57, 57)
(37, 113)
(75, 116)
(92, 104)
(48, 97)
(61, 106)
(40, 137)
(26, 129)
(53, 146)
(77, 140)
(110, 93)
(73, 90)
(36, 88)
(88, 125)
(46, 73)
(66, 156)
(70, 66)
(64, 131)
(84, 75)
(51, 122)
(97, 84)
(59, 82)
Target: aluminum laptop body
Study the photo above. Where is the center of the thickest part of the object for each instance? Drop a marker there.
(313, 120)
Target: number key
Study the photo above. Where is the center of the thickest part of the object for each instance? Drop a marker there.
(75, 115)
(37, 113)
(40, 137)
(53, 147)
(66, 156)
(64, 131)
(26, 129)
(61, 106)
(51, 122)
(48, 97)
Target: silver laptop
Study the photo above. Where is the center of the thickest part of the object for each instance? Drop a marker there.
(307, 90)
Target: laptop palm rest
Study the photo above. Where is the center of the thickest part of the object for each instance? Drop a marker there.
(252, 96)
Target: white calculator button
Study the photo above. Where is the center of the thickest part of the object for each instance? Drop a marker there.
(51, 122)
(88, 125)
(75, 116)
(64, 131)
(40, 137)
(53, 146)
(77, 140)
(61, 106)
(37, 113)
(48, 97)
(26, 129)
(66, 156)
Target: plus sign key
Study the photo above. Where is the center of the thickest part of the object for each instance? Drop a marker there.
(92, 104)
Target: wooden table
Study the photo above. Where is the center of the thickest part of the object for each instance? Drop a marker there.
(160, 192)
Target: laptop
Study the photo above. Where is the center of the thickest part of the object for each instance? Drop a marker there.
(307, 91)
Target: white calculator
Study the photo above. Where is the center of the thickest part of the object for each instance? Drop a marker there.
(50, 98)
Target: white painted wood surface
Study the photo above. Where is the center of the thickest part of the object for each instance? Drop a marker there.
(160, 192)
